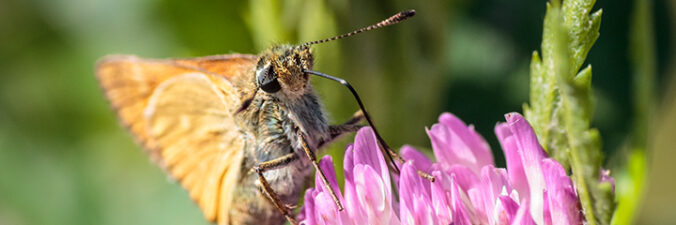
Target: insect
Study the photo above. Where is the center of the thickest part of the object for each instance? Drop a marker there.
(239, 132)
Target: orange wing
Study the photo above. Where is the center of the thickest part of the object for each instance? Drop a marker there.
(182, 112)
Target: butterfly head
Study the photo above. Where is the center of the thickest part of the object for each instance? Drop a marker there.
(280, 70)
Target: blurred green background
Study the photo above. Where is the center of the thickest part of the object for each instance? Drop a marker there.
(65, 160)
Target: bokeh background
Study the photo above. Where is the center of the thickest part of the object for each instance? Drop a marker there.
(65, 160)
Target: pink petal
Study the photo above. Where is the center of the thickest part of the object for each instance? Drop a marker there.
(369, 186)
(424, 214)
(326, 211)
(464, 177)
(523, 216)
(463, 213)
(419, 160)
(526, 138)
(492, 183)
(307, 213)
(455, 143)
(414, 197)
(531, 154)
(507, 210)
(481, 151)
(372, 196)
(547, 212)
(474, 140)
(352, 205)
(410, 184)
(476, 198)
(367, 152)
(348, 161)
(517, 175)
(563, 202)
(326, 165)
(440, 198)
(440, 136)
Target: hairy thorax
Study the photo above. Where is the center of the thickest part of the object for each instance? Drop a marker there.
(271, 129)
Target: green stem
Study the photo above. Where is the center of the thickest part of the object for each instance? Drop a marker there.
(582, 191)
(572, 116)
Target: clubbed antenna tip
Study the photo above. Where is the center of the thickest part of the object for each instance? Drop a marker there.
(401, 16)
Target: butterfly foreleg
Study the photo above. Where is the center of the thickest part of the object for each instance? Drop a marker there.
(267, 190)
(313, 158)
(356, 118)
(350, 126)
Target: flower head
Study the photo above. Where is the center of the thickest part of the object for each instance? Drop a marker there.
(468, 188)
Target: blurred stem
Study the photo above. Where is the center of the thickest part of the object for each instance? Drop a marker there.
(643, 58)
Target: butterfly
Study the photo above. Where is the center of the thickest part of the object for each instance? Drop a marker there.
(239, 132)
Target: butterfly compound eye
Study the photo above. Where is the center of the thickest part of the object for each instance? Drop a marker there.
(267, 80)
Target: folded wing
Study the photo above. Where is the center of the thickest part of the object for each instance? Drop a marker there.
(182, 112)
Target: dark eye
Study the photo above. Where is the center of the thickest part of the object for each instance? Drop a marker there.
(267, 80)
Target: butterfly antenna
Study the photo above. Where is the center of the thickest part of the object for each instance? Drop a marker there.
(389, 21)
(385, 148)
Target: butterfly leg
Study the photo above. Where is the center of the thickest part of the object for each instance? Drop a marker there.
(401, 160)
(266, 188)
(351, 125)
(313, 158)
(357, 117)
